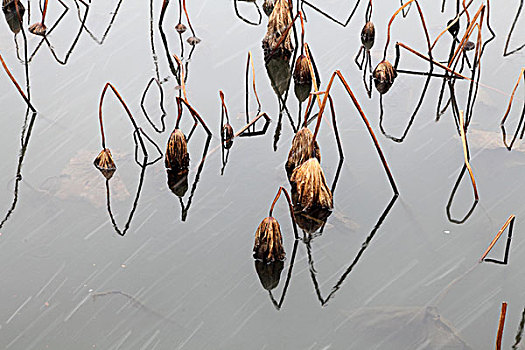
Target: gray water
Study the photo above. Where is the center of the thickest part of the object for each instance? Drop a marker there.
(69, 281)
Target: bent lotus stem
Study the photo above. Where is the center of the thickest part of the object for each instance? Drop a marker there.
(468, 32)
(502, 124)
(28, 102)
(338, 74)
(249, 60)
(451, 24)
(422, 22)
(44, 12)
(466, 155)
(188, 17)
(290, 207)
(128, 112)
(182, 78)
(506, 51)
(193, 113)
(510, 221)
(224, 109)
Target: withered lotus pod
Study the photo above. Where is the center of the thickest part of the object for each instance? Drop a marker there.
(454, 29)
(279, 20)
(38, 29)
(301, 73)
(269, 273)
(178, 182)
(9, 9)
(268, 245)
(268, 6)
(104, 162)
(227, 136)
(193, 40)
(368, 35)
(177, 157)
(302, 91)
(302, 150)
(310, 184)
(180, 28)
(310, 221)
(384, 76)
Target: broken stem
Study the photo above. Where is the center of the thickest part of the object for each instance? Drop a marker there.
(290, 207)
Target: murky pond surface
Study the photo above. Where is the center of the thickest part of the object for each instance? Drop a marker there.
(385, 273)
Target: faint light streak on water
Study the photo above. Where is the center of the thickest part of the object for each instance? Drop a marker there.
(150, 340)
(54, 293)
(52, 219)
(60, 269)
(31, 324)
(432, 278)
(247, 319)
(18, 310)
(119, 344)
(37, 341)
(137, 251)
(97, 229)
(92, 276)
(386, 285)
(75, 309)
(469, 316)
(191, 336)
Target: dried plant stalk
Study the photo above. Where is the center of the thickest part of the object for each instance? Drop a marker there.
(311, 187)
(268, 245)
(278, 22)
(501, 325)
(510, 221)
(502, 124)
(40, 28)
(303, 148)
(465, 153)
(177, 157)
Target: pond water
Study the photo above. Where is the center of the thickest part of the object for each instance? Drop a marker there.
(386, 272)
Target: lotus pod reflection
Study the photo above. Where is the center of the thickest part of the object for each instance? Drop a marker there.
(278, 22)
(180, 28)
(384, 76)
(310, 221)
(279, 73)
(268, 245)
(227, 136)
(310, 185)
(302, 149)
(269, 273)
(104, 162)
(38, 29)
(178, 182)
(177, 157)
(368, 35)
(9, 9)
(268, 6)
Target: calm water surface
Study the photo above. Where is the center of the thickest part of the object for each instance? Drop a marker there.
(69, 281)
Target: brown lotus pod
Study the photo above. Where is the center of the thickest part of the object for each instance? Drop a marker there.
(301, 73)
(310, 221)
(104, 162)
(227, 136)
(178, 182)
(279, 20)
(384, 76)
(9, 10)
(368, 35)
(268, 245)
(38, 29)
(310, 185)
(269, 273)
(302, 149)
(268, 7)
(180, 28)
(193, 40)
(177, 157)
